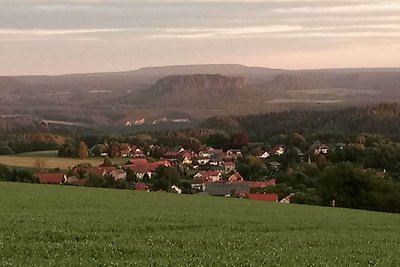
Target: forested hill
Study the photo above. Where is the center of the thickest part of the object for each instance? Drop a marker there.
(382, 119)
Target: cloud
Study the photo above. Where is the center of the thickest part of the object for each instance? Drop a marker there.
(47, 32)
(162, 31)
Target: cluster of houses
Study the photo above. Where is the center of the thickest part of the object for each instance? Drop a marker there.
(214, 171)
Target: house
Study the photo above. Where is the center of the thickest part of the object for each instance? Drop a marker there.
(187, 158)
(118, 174)
(200, 179)
(141, 187)
(261, 184)
(277, 150)
(286, 200)
(51, 178)
(125, 150)
(205, 154)
(213, 176)
(73, 180)
(199, 183)
(228, 166)
(203, 160)
(142, 167)
(224, 189)
(138, 153)
(264, 197)
(233, 154)
(234, 178)
(176, 189)
(174, 154)
(274, 165)
(322, 149)
(214, 161)
(99, 171)
(171, 155)
(264, 155)
(211, 152)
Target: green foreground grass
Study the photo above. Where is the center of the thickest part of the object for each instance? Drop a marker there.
(68, 226)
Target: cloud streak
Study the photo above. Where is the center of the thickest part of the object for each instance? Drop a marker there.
(161, 31)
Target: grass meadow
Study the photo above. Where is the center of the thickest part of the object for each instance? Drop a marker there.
(44, 225)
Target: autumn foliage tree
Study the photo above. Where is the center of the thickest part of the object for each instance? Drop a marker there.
(83, 150)
(114, 150)
(40, 164)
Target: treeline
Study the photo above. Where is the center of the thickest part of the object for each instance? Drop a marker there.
(13, 144)
(383, 119)
(8, 175)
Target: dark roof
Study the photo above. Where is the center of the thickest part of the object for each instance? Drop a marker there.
(223, 189)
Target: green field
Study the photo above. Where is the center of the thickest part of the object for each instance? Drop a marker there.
(68, 226)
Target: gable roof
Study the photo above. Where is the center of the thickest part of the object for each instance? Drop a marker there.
(99, 171)
(264, 197)
(228, 164)
(261, 184)
(50, 178)
(143, 166)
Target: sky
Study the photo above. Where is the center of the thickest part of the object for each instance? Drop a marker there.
(73, 36)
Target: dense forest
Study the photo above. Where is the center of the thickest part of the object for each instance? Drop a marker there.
(383, 119)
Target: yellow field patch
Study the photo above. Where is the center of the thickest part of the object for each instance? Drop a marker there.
(50, 163)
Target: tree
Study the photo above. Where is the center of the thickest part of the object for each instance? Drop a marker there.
(217, 140)
(39, 164)
(239, 140)
(353, 187)
(165, 177)
(6, 150)
(83, 150)
(106, 162)
(114, 150)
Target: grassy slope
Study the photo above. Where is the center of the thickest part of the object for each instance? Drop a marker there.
(68, 226)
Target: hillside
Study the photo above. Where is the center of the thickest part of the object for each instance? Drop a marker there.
(381, 119)
(195, 90)
(47, 226)
(101, 100)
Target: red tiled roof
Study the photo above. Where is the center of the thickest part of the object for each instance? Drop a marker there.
(50, 178)
(137, 161)
(210, 173)
(264, 197)
(141, 187)
(143, 166)
(172, 154)
(99, 170)
(261, 184)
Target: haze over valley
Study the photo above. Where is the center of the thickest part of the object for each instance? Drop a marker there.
(192, 93)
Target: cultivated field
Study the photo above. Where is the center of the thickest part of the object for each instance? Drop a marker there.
(50, 159)
(67, 226)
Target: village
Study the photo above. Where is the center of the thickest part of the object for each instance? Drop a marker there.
(210, 172)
